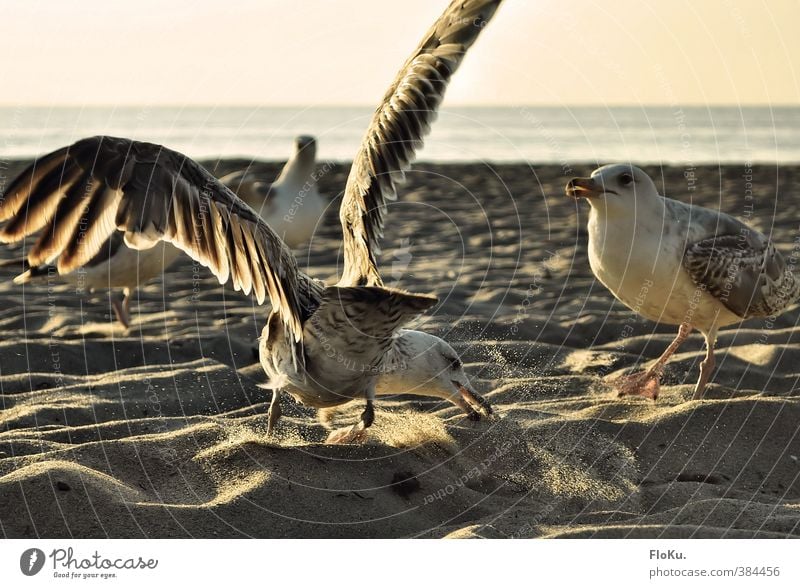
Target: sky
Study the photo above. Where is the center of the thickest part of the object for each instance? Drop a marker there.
(336, 52)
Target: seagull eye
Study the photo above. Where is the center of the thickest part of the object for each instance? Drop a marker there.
(626, 179)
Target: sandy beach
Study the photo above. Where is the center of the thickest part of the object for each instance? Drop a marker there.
(161, 431)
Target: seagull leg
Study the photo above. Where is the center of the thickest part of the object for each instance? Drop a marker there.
(647, 383)
(358, 432)
(126, 303)
(706, 366)
(274, 412)
(121, 306)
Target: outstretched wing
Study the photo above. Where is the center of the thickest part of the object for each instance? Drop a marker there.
(745, 272)
(396, 132)
(79, 195)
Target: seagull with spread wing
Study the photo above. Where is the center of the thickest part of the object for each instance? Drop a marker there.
(324, 345)
(292, 204)
(678, 264)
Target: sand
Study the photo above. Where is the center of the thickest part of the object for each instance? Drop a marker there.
(160, 431)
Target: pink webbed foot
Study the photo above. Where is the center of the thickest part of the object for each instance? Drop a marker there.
(358, 432)
(347, 435)
(643, 384)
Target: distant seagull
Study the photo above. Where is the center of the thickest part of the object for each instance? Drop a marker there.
(678, 264)
(291, 205)
(115, 266)
(324, 345)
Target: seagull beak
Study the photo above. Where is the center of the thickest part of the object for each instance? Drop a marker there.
(583, 188)
(475, 401)
(303, 142)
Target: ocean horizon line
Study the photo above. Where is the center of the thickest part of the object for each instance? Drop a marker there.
(549, 134)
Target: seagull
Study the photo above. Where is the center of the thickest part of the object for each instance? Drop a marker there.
(324, 345)
(291, 205)
(678, 264)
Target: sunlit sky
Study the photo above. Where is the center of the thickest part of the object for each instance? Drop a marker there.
(324, 52)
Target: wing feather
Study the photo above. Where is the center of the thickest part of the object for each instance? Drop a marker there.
(64, 221)
(14, 197)
(52, 188)
(745, 272)
(396, 132)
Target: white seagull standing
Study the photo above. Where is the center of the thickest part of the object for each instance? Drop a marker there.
(291, 204)
(324, 345)
(679, 264)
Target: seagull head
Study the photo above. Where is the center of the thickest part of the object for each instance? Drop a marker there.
(429, 366)
(618, 187)
(305, 146)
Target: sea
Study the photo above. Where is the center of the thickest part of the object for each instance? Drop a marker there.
(679, 135)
